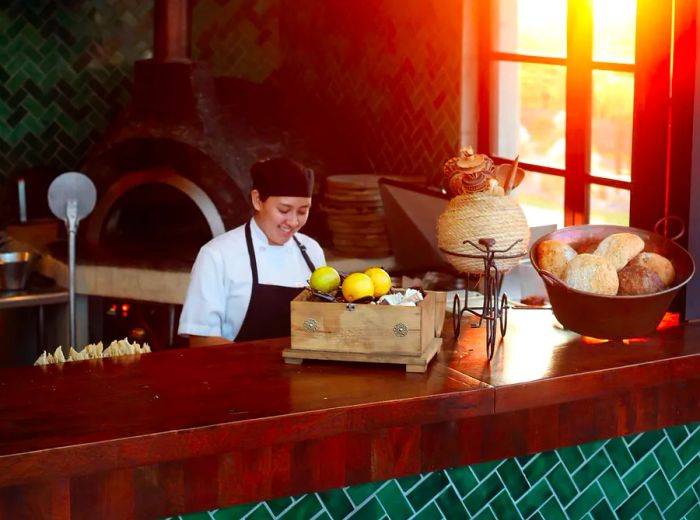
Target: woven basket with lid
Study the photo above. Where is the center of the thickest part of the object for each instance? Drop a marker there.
(479, 210)
(482, 215)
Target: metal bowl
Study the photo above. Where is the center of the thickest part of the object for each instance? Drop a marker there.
(612, 317)
(15, 268)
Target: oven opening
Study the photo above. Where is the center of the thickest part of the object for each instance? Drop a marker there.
(155, 221)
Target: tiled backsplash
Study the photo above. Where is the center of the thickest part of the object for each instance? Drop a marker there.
(65, 71)
(650, 475)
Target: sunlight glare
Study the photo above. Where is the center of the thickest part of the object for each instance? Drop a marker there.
(614, 26)
(542, 27)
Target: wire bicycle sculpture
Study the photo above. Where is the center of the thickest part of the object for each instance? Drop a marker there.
(493, 312)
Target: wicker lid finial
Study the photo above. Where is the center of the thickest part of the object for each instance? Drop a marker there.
(469, 159)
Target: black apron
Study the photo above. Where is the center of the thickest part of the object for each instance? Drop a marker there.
(268, 314)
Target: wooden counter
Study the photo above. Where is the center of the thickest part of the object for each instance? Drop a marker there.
(188, 430)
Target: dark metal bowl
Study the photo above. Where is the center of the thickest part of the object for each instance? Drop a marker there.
(15, 268)
(612, 317)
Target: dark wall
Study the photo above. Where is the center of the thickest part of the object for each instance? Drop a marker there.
(390, 69)
(384, 73)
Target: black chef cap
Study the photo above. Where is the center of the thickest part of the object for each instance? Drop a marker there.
(280, 177)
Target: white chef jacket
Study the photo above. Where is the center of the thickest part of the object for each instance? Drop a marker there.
(221, 280)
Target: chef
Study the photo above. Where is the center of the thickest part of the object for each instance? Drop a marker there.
(243, 280)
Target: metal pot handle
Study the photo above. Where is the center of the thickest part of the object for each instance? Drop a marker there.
(553, 280)
(665, 221)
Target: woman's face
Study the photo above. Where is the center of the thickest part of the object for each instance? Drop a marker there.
(280, 217)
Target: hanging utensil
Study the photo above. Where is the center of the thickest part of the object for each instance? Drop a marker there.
(510, 180)
(501, 173)
(22, 200)
(72, 197)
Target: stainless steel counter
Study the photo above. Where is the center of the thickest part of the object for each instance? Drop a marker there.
(33, 297)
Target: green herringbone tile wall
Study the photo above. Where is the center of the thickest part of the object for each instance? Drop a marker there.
(65, 71)
(645, 476)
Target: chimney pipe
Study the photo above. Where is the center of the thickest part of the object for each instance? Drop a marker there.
(171, 31)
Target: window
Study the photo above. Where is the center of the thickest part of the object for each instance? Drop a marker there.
(565, 86)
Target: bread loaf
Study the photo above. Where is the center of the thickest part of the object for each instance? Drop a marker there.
(553, 255)
(620, 248)
(661, 265)
(592, 273)
(637, 279)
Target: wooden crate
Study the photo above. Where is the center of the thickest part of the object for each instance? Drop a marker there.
(370, 333)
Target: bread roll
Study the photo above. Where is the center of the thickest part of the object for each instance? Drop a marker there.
(553, 255)
(592, 273)
(661, 265)
(620, 248)
(638, 279)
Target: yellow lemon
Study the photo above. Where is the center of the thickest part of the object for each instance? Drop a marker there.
(324, 279)
(380, 279)
(356, 286)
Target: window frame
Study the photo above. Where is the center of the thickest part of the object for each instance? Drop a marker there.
(660, 159)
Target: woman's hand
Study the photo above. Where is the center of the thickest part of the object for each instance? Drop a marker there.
(203, 341)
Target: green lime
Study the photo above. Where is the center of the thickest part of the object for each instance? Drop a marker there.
(324, 279)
